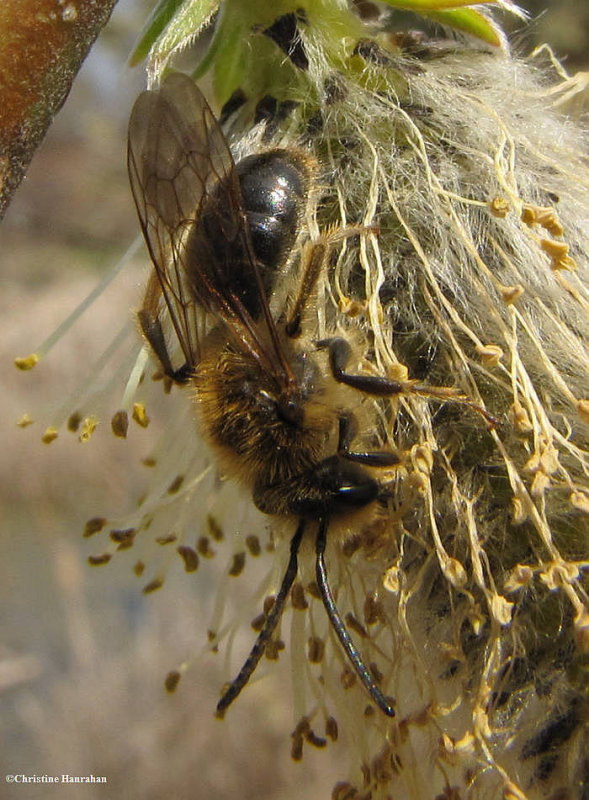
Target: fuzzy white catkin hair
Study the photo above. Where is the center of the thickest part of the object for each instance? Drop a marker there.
(476, 279)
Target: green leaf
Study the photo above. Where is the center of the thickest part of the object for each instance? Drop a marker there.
(421, 6)
(470, 21)
(173, 24)
(156, 22)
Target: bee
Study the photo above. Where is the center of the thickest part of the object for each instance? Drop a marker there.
(219, 234)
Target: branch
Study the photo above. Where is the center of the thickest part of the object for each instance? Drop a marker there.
(42, 46)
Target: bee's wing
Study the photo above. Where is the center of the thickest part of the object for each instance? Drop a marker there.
(178, 160)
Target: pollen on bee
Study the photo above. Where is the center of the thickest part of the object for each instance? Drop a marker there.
(24, 421)
(189, 556)
(237, 564)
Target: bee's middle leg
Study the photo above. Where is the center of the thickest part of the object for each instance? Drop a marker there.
(339, 355)
(348, 427)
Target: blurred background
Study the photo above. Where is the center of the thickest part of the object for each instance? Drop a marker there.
(83, 654)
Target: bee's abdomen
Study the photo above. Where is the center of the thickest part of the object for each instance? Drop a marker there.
(274, 187)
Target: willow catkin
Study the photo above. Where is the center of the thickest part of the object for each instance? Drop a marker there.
(477, 279)
(466, 280)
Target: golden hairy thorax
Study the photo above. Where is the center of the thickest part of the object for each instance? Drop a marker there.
(262, 437)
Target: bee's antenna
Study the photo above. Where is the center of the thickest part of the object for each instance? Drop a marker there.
(270, 623)
(385, 704)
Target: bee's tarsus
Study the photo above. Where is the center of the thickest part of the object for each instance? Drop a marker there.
(385, 704)
(270, 624)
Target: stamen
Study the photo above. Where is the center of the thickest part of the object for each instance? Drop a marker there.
(28, 362)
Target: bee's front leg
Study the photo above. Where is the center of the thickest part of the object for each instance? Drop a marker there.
(151, 327)
(152, 330)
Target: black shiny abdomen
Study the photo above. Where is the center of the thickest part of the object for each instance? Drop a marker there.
(274, 188)
(268, 190)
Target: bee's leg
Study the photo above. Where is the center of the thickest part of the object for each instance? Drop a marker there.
(270, 624)
(314, 258)
(385, 704)
(348, 427)
(314, 255)
(152, 330)
(149, 322)
(339, 355)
